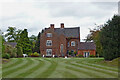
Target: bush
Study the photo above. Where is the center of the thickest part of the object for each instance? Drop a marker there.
(79, 55)
(10, 50)
(70, 52)
(6, 55)
(19, 52)
(92, 56)
(35, 54)
(13, 53)
(75, 53)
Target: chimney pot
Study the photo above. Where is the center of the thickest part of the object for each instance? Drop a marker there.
(52, 26)
(62, 25)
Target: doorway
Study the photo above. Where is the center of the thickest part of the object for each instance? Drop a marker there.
(86, 54)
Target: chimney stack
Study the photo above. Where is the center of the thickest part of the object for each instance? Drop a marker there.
(52, 26)
(62, 25)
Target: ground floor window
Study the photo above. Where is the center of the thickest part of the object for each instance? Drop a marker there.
(48, 52)
(86, 54)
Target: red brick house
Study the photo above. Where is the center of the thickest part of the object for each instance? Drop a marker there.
(59, 41)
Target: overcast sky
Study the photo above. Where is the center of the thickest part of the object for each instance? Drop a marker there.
(35, 15)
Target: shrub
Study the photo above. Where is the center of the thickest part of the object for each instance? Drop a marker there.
(75, 53)
(79, 55)
(35, 54)
(10, 50)
(19, 52)
(6, 55)
(13, 53)
(92, 56)
(70, 52)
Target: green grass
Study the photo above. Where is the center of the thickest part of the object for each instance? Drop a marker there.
(59, 68)
(0, 56)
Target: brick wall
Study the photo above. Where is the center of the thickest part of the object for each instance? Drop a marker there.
(92, 52)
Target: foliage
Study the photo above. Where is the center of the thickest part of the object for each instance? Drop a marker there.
(6, 55)
(109, 38)
(37, 44)
(24, 42)
(10, 50)
(13, 34)
(13, 53)
(69, 52)
(75, 52)
(33, 42)
(35, 54)
(79, 55)
(94, 36)
(91, 56)
(19, 51)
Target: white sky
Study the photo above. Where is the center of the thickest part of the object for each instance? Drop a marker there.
(35, 15)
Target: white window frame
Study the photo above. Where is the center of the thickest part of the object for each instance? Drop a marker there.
(48, 42)
(48, 52)
(72, 43)
(49, 35)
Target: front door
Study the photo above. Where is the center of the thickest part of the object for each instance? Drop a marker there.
(86, 54)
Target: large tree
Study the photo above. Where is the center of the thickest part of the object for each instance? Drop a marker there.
(24, 42)
(13, 34)
(32, 39)
(94, 36)
(109, 38)
(37, 45)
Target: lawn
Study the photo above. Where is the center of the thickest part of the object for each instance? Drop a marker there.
(58, 68)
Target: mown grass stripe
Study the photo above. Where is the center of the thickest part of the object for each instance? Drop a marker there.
(83, 73)
(16, 64)
(46, 73)
(71, 72)
(103, 73)
(35, 66)
(12, 62)
(96, 68)
(21, 69)
(23, 64)
(59, 71)
(100, 66)
(43, 66)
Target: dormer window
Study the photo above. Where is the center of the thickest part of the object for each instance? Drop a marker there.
(73, 43)
(49, 34)
(49, 43)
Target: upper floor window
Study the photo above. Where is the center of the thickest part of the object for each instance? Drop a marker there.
(49, 34)
(49, 43)
(73, 43)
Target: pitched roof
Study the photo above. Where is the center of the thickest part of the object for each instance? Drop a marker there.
(13, 44)
(87, 46)
(68, 32)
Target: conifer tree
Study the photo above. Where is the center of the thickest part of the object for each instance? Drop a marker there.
(110, 39)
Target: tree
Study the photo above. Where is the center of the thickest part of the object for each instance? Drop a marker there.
(19, 51)
(32, 39)
(109, 38)
(24, 42)
(37, 45)
(94, 36)
(13, 34)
